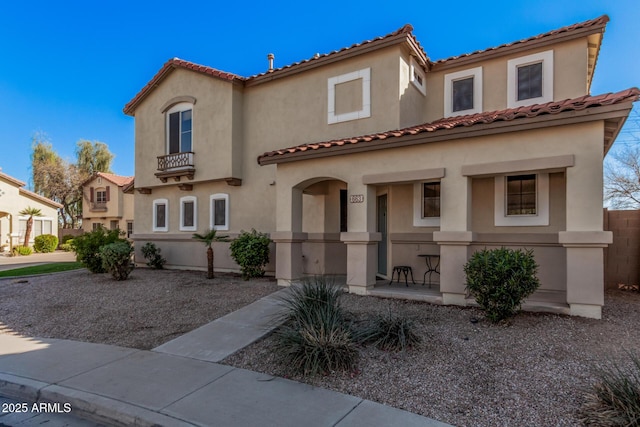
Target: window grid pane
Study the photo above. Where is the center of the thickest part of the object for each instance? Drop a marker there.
(462, 94)
(431, 200)
(521, 195)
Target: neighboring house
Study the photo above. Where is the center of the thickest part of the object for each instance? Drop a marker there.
(372, 155)
(13, 199)
(105, 203)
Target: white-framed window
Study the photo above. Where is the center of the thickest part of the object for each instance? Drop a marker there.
(463, 92)
(180, 128)
(522, 199)
(530, 79)
(364, 111)
(41, 225)
(101, 196)
(161, 215)
(426, 204)
(188, 213)
(417, 76)
(219, 208)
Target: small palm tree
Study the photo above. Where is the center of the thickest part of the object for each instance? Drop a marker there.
(208, 238)
(30, 212)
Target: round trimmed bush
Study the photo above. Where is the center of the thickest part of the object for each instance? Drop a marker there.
(116, 259)
(500, 279)
(45, 243)
(251, 252)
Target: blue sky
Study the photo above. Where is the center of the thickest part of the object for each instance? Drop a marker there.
(69, 67)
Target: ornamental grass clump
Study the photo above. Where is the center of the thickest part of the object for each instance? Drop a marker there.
(390, 332)
(615, 399)
(316, 338)
(500, 280)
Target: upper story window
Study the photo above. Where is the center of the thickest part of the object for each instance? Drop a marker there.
(101, 196)
(530, 79)
(417, 77)
(463, 92)
(179, 128)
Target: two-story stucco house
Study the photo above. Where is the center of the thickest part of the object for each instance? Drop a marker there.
(14, 199)
(375, 156)
(106, 204)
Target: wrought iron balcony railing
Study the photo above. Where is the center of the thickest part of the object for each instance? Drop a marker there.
(175, 166)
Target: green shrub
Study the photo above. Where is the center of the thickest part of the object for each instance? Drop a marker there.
(45, 243)
(500, 279)
(87, 247)
(22, 250)
(66, 238)
(390, 332)
(251, 252)
(67, 247)
(316, 338)
(152, 254)
(116, 259)
(615, 399)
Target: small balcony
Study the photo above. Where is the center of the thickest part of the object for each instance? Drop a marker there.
(176, 166)
(98, 207)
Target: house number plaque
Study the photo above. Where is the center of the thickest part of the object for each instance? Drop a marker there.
(356, 198)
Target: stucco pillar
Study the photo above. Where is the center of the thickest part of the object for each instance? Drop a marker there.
(288, 236)
(454, 236)
(584, 238)
(361, 238)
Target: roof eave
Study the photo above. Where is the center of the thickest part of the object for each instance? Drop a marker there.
(40, 198)
(607, 112)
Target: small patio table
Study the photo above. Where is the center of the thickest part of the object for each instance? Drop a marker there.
(433, 266)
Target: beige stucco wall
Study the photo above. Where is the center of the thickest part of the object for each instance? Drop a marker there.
(569, 77)
(12, 202)
(119, 208)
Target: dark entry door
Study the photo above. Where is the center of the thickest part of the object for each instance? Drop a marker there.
(382, 228)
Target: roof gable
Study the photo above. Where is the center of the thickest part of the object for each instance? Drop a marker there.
(120, 181)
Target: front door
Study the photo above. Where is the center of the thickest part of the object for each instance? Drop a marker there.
(382, 228)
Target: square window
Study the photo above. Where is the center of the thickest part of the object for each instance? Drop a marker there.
(431, 200)
(101, 196)
(462, 94)
(521, 200)
(521, 195)
(530, 81)
(114, 225)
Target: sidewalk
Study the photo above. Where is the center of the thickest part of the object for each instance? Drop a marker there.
(180, 383)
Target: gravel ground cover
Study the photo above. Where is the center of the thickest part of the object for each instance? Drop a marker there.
(530, 371)
(149, 309)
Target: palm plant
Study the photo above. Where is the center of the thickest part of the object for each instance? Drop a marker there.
(30, 212)
(208, 238)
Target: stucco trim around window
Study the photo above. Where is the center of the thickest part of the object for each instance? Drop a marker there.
(541, 218)
(450, 78)
(332, 82)
(546, 58)
(212, 211)
(188, 199)
(156, 226)
(177, 100)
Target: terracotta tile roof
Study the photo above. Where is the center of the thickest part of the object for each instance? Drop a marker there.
(407, 30)
(174, 63)
(166, 69)
(448, 123)
(118, 180)
(599, 22)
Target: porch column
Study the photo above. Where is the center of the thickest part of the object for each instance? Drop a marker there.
(584, 238)
(454, 236)
(288, 236)
(361, 239)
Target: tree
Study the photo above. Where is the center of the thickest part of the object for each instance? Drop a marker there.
(622, 166)
(93, 157)
(30, 212)
(208, 238)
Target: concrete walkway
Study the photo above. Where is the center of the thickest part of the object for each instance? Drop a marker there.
(180, 383)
